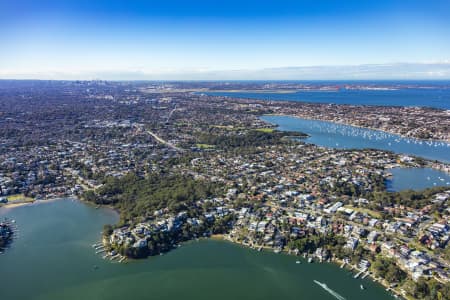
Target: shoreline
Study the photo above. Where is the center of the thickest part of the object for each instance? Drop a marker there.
(335, 261)
(222, 238)
(34, 202)
(96, 206)
(291, 91)
(354, 125)
(306, 101)
(430, 162)
(11, 205)
(14, 205)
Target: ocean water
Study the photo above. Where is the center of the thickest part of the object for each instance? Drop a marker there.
(434, 97)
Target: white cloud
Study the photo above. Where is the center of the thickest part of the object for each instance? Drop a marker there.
(436, 70)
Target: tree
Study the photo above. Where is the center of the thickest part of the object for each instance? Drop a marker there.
(387, 269)
(107, 230)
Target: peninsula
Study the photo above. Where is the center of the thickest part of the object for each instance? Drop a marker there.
(178, 165)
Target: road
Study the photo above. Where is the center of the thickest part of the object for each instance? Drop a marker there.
(170, 145)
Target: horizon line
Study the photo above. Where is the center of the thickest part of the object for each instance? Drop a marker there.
(231, 80)
(381, 71)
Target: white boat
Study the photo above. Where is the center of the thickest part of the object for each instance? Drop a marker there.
(326, 288)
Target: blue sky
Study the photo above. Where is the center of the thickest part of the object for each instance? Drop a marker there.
(81, 39)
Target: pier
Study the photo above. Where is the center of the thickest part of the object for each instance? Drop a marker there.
(358, 274)
(100, 248)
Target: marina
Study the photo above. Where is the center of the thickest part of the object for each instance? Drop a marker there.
(248, 150)
(64, 234)
(416, 179)
(334, 135)
(8, 232)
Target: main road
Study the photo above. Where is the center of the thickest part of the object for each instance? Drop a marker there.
(170, 145)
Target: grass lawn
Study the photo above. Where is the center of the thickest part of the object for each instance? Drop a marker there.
(373, 214)
(231, 128)
(265, 130)
(416, 245)
(19, 198)
(205, 146)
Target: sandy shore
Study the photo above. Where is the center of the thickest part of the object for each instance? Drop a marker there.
(217, 237)
(11, 205)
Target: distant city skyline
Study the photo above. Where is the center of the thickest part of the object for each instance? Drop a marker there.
(208, 40)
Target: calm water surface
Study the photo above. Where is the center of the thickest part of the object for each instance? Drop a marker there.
(436, 97)
(416, 179)
(333, 135)
(53, 259)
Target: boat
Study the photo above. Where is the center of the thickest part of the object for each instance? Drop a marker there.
(310, 260)
(362, 287)
(297, 262)
(326, 288)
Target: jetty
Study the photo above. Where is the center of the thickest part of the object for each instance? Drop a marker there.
(114, 257)
(358, 274)
(97, 245)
